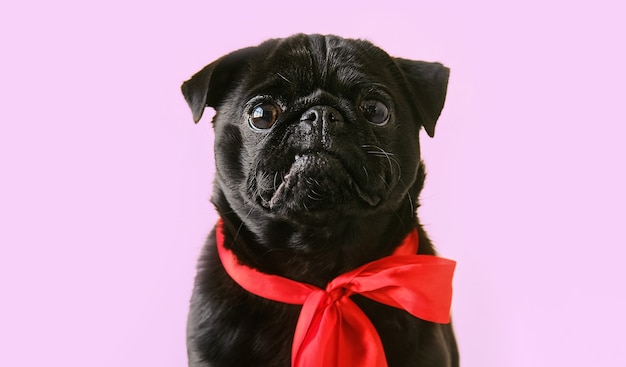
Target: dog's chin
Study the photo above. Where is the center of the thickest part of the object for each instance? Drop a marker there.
(317, 186)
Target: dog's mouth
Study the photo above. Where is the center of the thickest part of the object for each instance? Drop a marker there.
(314, 182)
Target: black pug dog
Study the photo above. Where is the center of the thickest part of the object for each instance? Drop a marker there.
(318, 172)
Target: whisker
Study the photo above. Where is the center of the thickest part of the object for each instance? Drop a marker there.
(283, 77)
(241, 225)
(380, 152)
(408, 194)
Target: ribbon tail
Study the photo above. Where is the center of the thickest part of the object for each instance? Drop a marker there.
(337, 334)
(359, 343)
(307, 332)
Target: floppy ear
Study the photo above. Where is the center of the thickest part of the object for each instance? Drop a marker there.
(428, 82)
(208, 86)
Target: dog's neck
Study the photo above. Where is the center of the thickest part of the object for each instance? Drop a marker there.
(312, 253)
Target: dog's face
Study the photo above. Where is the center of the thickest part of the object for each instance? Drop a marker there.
(313, 128)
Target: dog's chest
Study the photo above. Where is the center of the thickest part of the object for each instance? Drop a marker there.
(231, 327)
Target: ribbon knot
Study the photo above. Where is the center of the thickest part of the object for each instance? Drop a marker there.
(331, 329)
(334, 295)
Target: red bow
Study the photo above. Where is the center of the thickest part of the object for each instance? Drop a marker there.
(332, 330)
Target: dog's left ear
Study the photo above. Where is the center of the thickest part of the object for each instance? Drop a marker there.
(208, 86)
(428, 82)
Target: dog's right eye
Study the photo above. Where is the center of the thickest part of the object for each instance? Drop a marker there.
(263, 116)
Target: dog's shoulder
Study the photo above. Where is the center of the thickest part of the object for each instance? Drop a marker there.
(232, 327)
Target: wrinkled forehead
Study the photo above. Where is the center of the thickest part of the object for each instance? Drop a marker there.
(307, 63)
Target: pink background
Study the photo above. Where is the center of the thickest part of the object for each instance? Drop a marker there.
(105, 179)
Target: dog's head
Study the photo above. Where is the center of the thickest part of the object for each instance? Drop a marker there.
(311, 128)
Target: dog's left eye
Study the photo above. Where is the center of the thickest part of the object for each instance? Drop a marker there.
(375, 112)
(263, 116)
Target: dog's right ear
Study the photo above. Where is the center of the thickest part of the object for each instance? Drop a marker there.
(208, 86)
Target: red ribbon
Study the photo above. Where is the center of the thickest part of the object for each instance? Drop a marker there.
(332, 330)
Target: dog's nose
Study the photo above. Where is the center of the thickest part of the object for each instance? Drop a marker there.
(321, 114)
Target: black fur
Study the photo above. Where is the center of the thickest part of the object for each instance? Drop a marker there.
(315, 195)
